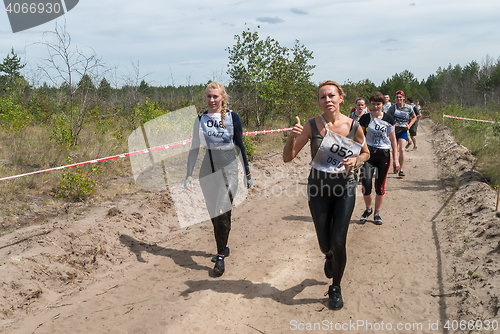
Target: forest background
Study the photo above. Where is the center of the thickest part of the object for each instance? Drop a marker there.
(78, 114)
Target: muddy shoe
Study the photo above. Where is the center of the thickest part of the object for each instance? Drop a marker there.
(329, 266)
(377, 220)
(219, 265)
(226, 254)
(335, 301)
(401, 173)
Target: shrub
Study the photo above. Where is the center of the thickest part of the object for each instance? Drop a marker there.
(148, 111)
(40, 106)
(13, 116)
(76, 184)
(61, 131)
(249, 147)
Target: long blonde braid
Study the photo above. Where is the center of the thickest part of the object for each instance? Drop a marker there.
(222, 90)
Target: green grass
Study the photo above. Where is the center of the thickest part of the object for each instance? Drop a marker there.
(32, 150)
(482, 139)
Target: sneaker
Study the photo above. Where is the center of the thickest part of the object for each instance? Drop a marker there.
(219, 265)
(365, 216)
(408, 145)
(401, 173)
(415, 148)
(226, 254)
(334, 297)
(328, 267)
(377, 220)
(395, 171)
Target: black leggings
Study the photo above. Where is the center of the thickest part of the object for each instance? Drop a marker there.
(222, 226)
(331, 202)
(380, 160)
(219, 189)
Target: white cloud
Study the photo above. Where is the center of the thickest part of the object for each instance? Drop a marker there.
(187, 41)
(389, 40)
(270, 20)
(299, 11)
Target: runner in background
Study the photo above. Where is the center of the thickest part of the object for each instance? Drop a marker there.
(404, 116)
(387, 101)
(359, 110)
(409, 101)
(380, 138)
(337, 147)
(413, 129)
(220, 131)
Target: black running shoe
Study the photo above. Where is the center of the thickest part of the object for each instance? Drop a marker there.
(219, 266)
(335, 301)
(226, 254)
(377, 220)
(401, 173)
(329, 267)
(408, 145)
(365, 216)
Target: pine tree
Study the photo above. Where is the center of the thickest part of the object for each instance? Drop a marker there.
(11, 65)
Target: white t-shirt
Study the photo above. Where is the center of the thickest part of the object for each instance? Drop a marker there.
(378, 132)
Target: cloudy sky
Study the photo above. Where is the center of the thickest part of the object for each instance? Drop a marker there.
(184, 42)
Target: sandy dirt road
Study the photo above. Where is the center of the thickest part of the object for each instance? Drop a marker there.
(126, 266)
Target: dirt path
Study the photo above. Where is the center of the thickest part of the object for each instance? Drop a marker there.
(125, 267)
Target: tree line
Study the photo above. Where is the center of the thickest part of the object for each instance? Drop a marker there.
(269, 83)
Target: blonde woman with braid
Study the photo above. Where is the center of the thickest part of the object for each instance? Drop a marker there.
(220, 131)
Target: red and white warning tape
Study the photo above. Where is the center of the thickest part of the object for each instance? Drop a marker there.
(124, 155)
(263, 132)
(468, 119)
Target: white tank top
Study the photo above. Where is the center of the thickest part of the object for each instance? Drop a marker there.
(212, 135)
(334, 148)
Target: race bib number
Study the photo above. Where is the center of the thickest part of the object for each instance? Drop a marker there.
(333, 150)
(401, 117)
(378, 132)
(213, 135)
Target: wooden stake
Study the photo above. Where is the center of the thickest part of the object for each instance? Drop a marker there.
(498, 197)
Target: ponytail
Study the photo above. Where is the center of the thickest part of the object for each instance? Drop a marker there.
(223, 114)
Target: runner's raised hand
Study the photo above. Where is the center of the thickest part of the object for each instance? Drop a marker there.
(297, 128)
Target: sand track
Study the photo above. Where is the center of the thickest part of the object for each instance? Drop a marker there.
(127, 267)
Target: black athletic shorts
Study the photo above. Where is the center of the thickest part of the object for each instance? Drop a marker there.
(413, 129)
